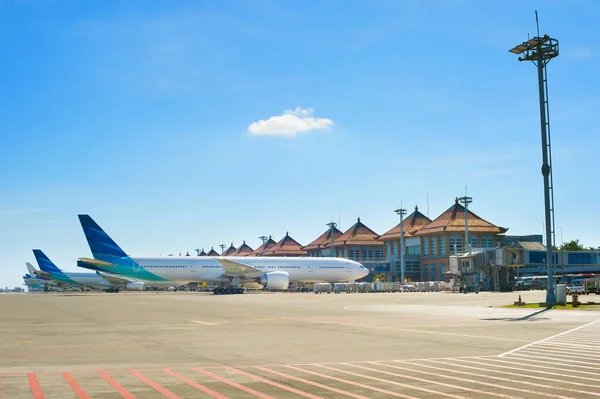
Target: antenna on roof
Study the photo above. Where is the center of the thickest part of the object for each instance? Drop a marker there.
(537, 23)
(428, 205)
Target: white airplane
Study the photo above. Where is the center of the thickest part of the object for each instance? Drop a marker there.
(234, 272)
(49, 271)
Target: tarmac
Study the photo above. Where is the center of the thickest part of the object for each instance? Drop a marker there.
(293, 345)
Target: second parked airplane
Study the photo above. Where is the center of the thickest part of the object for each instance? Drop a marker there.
(233, 271)
(96, 280)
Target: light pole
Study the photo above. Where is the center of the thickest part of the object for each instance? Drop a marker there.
(332, 226)
(466, 201)
(401, 212)
(540, 50)
(264, 240)
(223, 246)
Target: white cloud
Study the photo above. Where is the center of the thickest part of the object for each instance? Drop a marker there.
(289, 124)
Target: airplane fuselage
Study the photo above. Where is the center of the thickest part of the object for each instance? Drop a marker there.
(186, 269)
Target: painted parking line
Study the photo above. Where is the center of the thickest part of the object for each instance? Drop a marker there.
(534, 358)
(357, 384)
(417, 388)
(548, 338)
(567, 377)
(118, 387)
(34, 384)
(75, 386)
(285, 387)
(528, 363)
(233, 384)
(313, 383)
(194, 384)
(449, 370)
(560, 356)
(427, 381)
(560, 388)
(154, 385)
(205, 323)
(585, 352)
(569, 346)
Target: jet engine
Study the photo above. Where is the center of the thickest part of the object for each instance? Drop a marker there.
(275, 280)
(135, 286)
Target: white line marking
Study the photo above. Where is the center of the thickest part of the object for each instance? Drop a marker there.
(567, 380)
(546, 352)
(568, 345)
(568, 350)
(535, 357)
(413, 387)
(529, 365)
(403, 376)
(357, 384)
(206, 323)
(477, 382)
(496, 372)
(547, 339)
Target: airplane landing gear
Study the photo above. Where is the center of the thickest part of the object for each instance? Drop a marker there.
(228, 290)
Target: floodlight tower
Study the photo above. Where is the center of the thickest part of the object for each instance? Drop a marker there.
(466, 201)
(332, 226)
(540, 50)
(401, 212)
(264, 240)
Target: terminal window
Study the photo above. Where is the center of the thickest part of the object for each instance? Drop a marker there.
(442, 245)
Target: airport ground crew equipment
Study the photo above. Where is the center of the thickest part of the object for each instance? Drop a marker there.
(323, 288)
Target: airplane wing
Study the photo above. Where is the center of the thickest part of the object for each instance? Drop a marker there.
(237, 269)
(114, 279)
(96, 262)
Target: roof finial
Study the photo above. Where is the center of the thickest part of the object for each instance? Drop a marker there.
(359, 219)
(287, 234)
(244, 243)
(456, 200)
(416, 208)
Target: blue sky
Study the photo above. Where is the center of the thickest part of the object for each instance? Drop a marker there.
(140, 113)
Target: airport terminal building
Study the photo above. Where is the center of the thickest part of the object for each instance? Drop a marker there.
(491, 257)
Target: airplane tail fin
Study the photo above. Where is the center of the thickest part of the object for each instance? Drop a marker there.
(102, 246)
(30, 268)
(46, 265)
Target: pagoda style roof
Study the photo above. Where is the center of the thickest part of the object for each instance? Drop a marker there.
(202, 253)
(453, 220)
(230, 250)
(410, 225)
(359, 234)
(212, 252)
(324, 240)
(266, 245)
(243, 250)
(287, 246)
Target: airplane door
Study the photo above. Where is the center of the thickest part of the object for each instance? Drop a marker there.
(136, 267)
(348, 268)
(193, 267)
(310, 268)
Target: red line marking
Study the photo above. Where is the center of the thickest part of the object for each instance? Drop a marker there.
(36, 389)
(276, 384)
(316, 384)
(398, 395)
(155, 385)
(196, 385)
(233, 384)
(75, 386)
(124, 392)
